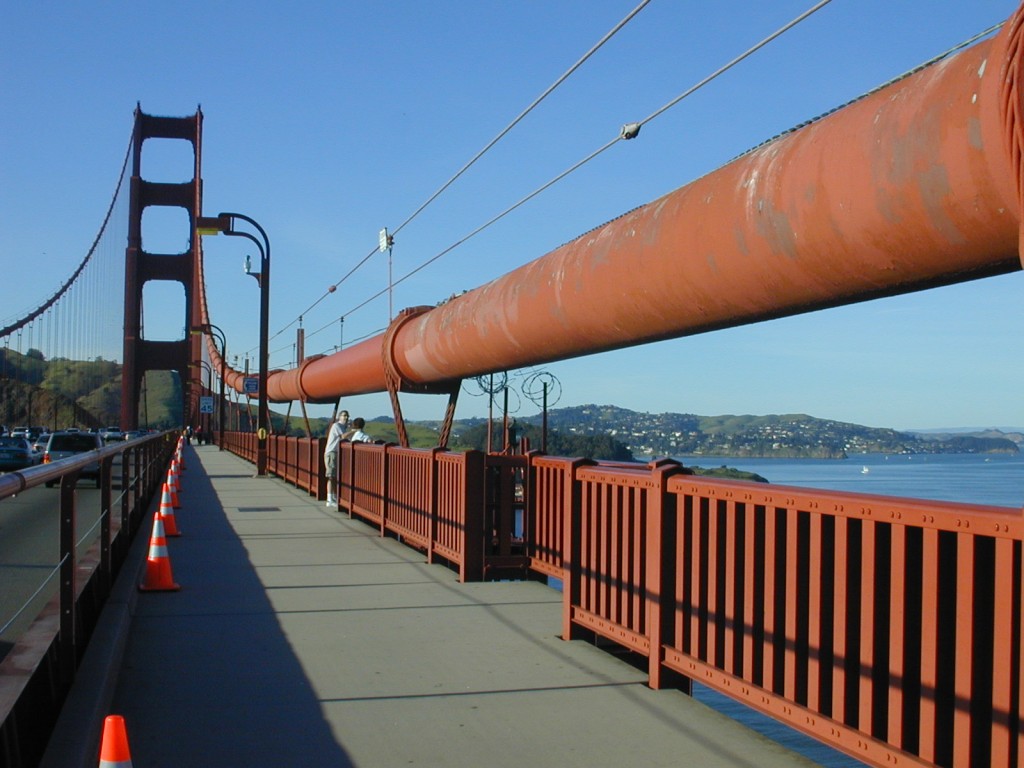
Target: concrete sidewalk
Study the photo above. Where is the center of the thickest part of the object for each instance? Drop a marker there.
(302, 638)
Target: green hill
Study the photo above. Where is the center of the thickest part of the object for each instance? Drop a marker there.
(776, 435)
(60, 393)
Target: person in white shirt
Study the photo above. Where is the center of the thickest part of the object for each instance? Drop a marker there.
(356, 434)
(334, 435)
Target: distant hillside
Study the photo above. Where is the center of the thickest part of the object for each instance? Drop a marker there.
(61, 393)
(1014, 435)
(785, 435)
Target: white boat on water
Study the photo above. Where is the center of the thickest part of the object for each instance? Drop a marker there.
(864, 470)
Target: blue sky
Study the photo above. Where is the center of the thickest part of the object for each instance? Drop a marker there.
(328, 121)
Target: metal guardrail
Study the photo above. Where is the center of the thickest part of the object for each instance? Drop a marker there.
(37, 673)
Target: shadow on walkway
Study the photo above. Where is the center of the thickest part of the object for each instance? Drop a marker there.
(209, 677)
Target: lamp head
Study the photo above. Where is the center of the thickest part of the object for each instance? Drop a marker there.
(212, 225)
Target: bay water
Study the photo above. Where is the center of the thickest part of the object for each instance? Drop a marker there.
(983, 479)
(989, 479)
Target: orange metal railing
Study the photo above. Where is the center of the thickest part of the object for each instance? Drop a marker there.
(887, 627)
(296, 460)
(412, 478)
(551, 494)
(891, 629)
(429, 498)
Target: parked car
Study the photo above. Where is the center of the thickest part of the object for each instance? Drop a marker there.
(65, 444)
(17, 453)
(132, 434)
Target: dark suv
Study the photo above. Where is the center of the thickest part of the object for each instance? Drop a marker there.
(64, 444)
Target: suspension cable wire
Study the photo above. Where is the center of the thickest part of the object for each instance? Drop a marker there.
(611, 33)
(624, 135)
(726, 67)
(329, 291)
(71, 280)
(356, 340)
(91, 300)
(536, 102)
(75, 298)
(494, 219)
(475, 232)
(330, 324)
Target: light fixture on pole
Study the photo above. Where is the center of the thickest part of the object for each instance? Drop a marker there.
(214, 330)
(202, 364)
(225, 223)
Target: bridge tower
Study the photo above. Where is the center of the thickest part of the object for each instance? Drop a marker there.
(142, 355)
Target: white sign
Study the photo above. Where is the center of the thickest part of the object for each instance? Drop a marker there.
(206, 404)
(252, 385)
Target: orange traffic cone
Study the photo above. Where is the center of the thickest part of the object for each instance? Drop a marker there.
(176, 472)
(166, 511)
(114, 752)
(158, 563)
(172, 485)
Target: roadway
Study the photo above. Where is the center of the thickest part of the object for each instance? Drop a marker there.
(301, 637)
(29, 550)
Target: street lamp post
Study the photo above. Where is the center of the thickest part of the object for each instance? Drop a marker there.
(213, 329)
(225, 222)
(202, 364)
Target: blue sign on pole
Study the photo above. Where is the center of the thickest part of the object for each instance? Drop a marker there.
(252, 385)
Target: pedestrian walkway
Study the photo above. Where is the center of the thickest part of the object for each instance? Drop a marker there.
(302, 638)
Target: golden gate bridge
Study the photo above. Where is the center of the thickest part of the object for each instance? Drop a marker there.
(822, 609)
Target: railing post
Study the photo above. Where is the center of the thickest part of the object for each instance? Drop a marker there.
(473, 513)
(432, 526)
(270, 456)
(346, 476)
(385, 492)
(129, 479)
(317, 470)
(106, 566)
(530, 506)
(144, 458)
(319, 444)
(571, 547)
(660, 547)
(68, 573)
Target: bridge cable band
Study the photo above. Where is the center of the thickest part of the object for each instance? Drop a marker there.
(396, 382)
(1010, 109)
